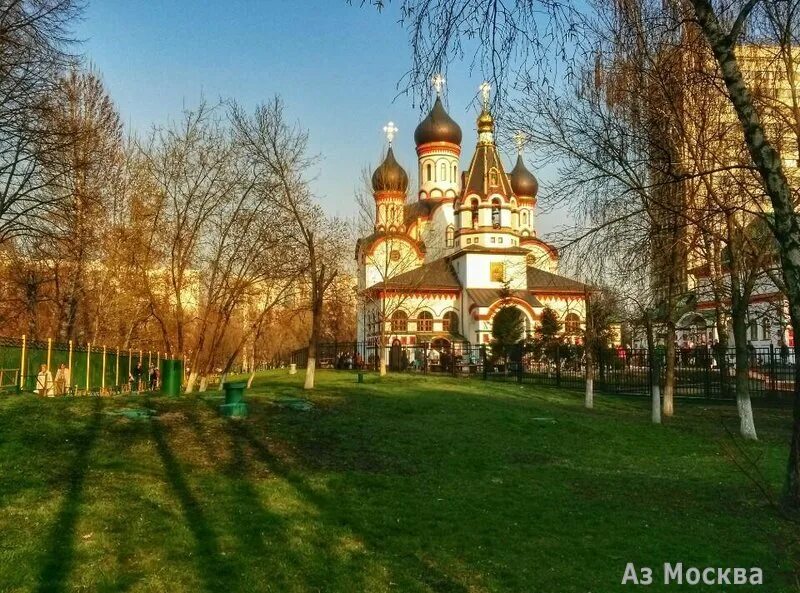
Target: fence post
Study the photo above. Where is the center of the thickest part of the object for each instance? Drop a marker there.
(558, 364)
(22, 363)
(88, 365)
(116, 370)
(483, 362)
(103, 377)
(49, 352)
(772, 368)
(69, 365)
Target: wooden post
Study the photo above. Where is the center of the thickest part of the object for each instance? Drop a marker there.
(116, 372)
(149, 359)
(69, 364)
(88, 365)
(49, 351)
(103, 377)
(22, 363)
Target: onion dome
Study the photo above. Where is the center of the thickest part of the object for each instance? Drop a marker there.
(390, 176)
(523, 182)
(437, 127)
(485, 122)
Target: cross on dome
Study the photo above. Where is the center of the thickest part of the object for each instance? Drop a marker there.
(485, 89)
(519, 140)
(390, 130)
(438, 83)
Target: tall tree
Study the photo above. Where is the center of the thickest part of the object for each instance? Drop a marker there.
(35, 48)
(278, 151)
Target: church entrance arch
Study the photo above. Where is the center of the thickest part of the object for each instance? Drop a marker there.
(395, 355)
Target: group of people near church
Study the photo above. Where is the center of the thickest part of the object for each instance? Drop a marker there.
(49, 386)
(46, 386)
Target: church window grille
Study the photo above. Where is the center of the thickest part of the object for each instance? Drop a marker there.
(450, 236)
(399, 321)
(450, 322)
(425, 322)
(572, 324)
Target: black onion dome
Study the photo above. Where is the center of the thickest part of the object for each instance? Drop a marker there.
(437, 127)
(390, 176)
(523, 182)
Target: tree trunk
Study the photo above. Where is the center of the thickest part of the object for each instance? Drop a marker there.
(316, 322)
(191, 381)
(251, 377)
(747, 426)
(588, 396)
(203, 383)
(655, 391)
(669, 370)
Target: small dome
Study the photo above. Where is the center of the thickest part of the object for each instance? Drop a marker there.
(523, 182)
(389, 176)
(437, 127)
(485, 122)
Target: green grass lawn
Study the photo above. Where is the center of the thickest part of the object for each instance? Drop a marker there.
(405, 483)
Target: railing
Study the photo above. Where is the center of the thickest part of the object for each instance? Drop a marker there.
(70, 367)
(701, 372)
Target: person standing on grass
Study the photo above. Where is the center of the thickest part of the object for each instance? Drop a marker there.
(44, 382)
(61, 379)
(153, 378)
(137, 377)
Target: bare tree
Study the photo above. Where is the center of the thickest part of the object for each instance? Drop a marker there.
(278, 151)
(35, 48)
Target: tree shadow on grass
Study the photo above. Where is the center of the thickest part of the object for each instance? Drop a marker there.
(242, 436)
(252, 522)
(60, 556)
(214, 569)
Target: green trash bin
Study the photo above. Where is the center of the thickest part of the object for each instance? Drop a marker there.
(234, 406)
(171, 376)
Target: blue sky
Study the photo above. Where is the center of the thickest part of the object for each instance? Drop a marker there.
(337, 67)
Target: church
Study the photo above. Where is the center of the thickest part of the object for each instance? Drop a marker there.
(438, 266)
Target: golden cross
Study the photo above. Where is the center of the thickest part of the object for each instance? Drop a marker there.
(438, 83)
(485, 90)
(519, 140)
(390, 130)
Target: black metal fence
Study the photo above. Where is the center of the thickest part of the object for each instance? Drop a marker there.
(703, 372)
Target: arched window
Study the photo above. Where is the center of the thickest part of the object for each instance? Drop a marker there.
(429, 171)
(455, 173)
(493, 178)
(449, 238)
(496, 213)
(443, 172)
(474, 214)
(450, 322)
(524, 217)
(425, 322)
(399, 321)
(572, 324)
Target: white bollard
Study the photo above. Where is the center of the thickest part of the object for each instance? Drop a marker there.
(292, 368)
